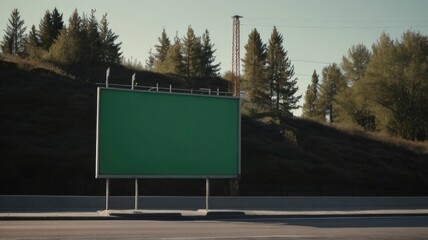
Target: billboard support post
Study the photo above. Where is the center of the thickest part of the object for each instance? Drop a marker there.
(136, 193)
(107, 76)
(207, 193)
(133, 81)
(107, 192)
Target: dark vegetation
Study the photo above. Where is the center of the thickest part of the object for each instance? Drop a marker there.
(47, 121)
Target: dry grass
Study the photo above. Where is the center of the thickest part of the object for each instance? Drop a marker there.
(28, 64)
(420, 147)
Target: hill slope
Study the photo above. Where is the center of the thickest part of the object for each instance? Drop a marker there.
(320, 159)
(48, 146)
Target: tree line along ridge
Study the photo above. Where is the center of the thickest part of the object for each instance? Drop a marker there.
(384, 89)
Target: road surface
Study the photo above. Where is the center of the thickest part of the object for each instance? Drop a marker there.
(357, 227)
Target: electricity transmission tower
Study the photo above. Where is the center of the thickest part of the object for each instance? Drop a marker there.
(236, 72)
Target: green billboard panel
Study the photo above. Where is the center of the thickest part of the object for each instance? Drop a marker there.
(142, 134)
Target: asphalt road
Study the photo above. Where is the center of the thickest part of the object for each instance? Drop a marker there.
(384, 227)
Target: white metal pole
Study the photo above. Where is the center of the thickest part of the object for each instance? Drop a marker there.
(218, 91)
(107, 193)
(207, 193)
(170, 88)
(136, 193)
(133, 81)
(107, 75)
(157, 87)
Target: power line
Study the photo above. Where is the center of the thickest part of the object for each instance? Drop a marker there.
(335, 27)
(303, 75)
(395, 21)
(333, 24)
(310, 61)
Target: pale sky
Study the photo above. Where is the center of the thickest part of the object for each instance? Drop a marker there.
(316, 32)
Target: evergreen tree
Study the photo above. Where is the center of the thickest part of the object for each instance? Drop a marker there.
(283, 86)
(63, 50)
(33, 43)
(75, 35)
(57, 23)
(68, 48)
(174, 58)
(49, 28)
(33, 38)
(46, 31)
(150, 62)
(92, 41)
(311, 97)
(254, 69)
(192, 54)
(133, 63)
(209, 69)
(228, 76)
(333, 82)
(163, 47)
(84, 39)
(109, 51)
(161, 52)
(14, 40)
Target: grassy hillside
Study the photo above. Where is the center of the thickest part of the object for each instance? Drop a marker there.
(47, 121)
(319, 159)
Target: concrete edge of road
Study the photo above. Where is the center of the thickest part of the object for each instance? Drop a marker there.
(176, 215)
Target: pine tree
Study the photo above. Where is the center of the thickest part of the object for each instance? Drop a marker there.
(49, 28)
(84, 39)
(57, 23)
(254, 69)
(33, 37)
(14, 40)
(46, 31)
(75, 35)
(92, 41)
(150, 62)
(174, 58)
(283, 86)
(311, 98)
(75, 27)
(68, 47)
(109, 51)
(163, 47)
(33, 43)
(192, 54)
(161, 52)
(209, 69)
(333, 82)
(62, 51)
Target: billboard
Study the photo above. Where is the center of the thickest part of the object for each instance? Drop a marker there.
(143, 134)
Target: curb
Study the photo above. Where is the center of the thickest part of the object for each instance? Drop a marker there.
(208, 216)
